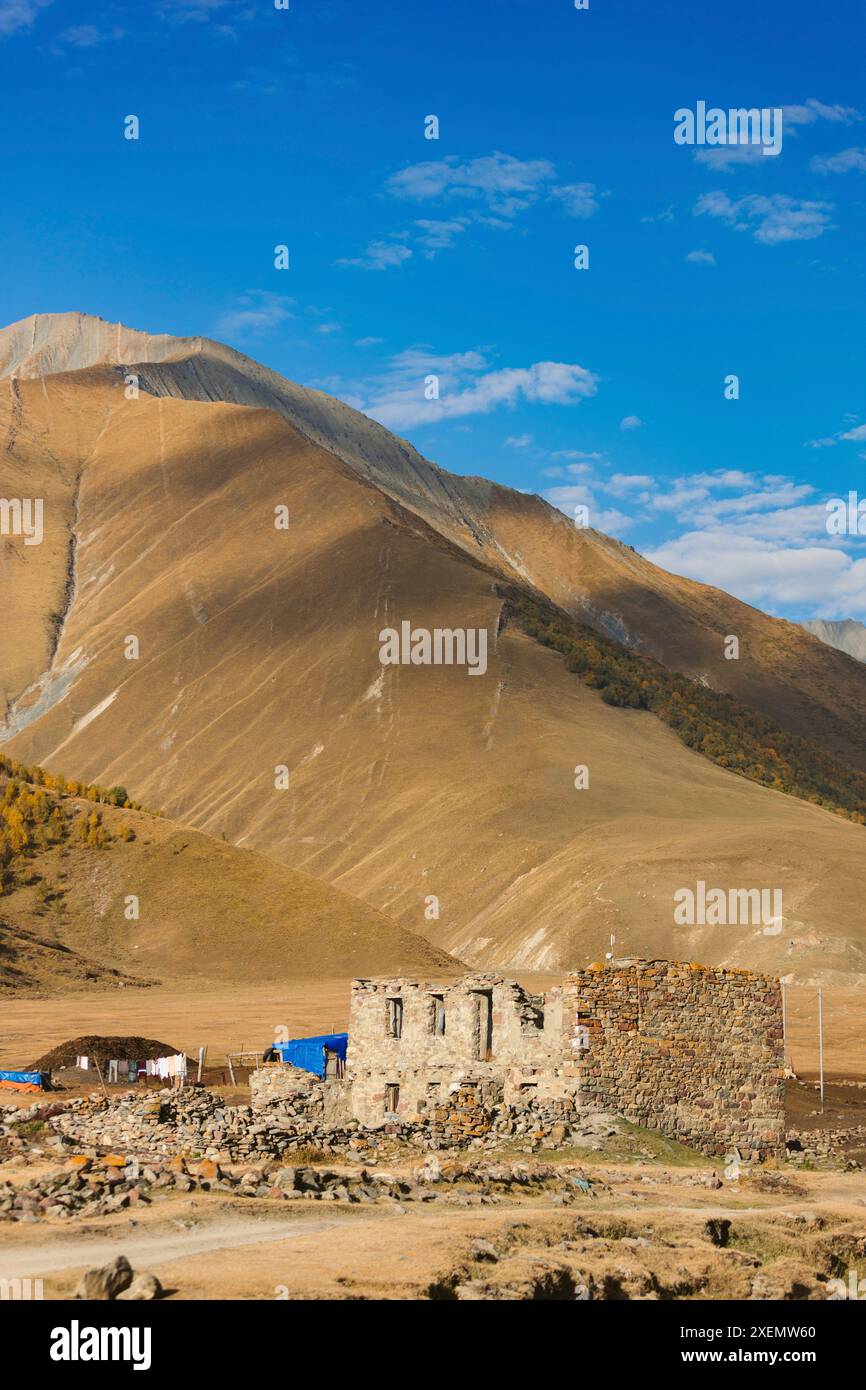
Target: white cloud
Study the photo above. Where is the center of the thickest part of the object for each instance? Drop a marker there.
(502, 183)
(813, 110)
(601, 518)
(328, 328)
(492, 190)
(437, 235)
(622, 483)
(768, 543)
(724, 156)
(82, 36)
(856, 435)
(518, 441)
(367, 342)
(379, 255)
(185, 11)
(701, 258)
(771, 219)
(840, 163)
(577, 199)
(667, 215)
(469, 386)
(691, 499)
(630, 422)
(806, 113)
(767, 573)
(256, 311)
(19, 14)
(751, 508)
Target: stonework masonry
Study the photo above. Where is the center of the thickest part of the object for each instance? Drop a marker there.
(693, 1051)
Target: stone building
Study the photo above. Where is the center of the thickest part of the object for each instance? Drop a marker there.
(690, 1050)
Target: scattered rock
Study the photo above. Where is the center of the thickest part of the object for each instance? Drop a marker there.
(143, 1288)
(107, 1282)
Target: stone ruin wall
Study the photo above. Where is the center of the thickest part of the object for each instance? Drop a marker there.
(692, 1051)
(427, 1064)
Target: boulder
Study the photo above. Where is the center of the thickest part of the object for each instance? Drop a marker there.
(144, 1288)
(107, 1282)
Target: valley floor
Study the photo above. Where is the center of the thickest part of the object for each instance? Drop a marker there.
(232, 1018)
(649, 1231)
(643, 1233)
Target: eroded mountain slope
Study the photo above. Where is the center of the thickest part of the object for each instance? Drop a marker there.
(805, 686)
(446, 800)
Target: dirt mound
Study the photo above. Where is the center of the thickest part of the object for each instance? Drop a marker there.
(103, 1049)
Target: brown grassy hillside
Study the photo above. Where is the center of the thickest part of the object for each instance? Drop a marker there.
(206, 910)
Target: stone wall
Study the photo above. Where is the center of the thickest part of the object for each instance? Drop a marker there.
(692, 1051)
(426, 1040)
(289, 1090)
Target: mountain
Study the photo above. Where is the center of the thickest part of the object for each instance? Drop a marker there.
(846, 636)
(594, 578)
(444, 800)
(205, 910)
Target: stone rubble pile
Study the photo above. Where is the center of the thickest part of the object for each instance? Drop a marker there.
(81, 1189)
(88, 1187)
(467, 1120)
(196, 1123)
(24, 1130)
(193, 1122)
(307, 1119)
(804, 1145)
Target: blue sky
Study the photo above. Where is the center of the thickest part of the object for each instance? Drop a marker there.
(454, 257)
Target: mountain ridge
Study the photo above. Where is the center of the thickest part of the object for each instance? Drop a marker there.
(845, 634)
(593, 577)
(447, 803)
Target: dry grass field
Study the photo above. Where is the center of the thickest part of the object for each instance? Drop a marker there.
(644, 1232)
(229, 1018)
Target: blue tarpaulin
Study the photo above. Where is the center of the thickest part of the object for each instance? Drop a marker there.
(309, 1053)
(22, 1078)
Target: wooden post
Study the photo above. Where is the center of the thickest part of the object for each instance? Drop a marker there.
(821, 1045)
(231, 1069)
(99, 1074)
(202, 1053)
